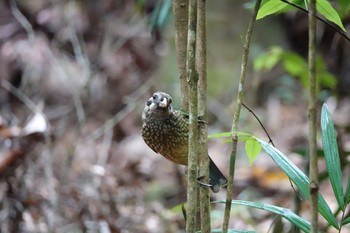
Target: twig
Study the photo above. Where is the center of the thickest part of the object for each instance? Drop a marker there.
(297, 197)
(83, 61)
(111, 123)
(47, 152)
(22, 20)
(85, 65)
(19, 95)
(313, 171)
(261, 124)
(131, 104)
(75, 94)
(100, 167)
(234, 128)
(319, 18)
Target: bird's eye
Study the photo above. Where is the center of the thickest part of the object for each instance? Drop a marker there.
(154, 96)
(149, 102)
(170, 100)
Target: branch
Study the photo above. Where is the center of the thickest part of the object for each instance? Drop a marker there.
(180, 10)
(202, 110)
(192, 81)
(22, 20)
(260, 123)
(313, 173)
(236, 115)
(319, 18)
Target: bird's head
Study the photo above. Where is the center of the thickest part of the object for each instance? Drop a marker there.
(159, 103)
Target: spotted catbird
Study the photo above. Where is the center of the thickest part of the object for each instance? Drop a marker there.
(165, 131)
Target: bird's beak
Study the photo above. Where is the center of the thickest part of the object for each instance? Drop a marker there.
(163, 103)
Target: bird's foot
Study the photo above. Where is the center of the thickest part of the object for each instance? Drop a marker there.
(201, 121)
(202, 183)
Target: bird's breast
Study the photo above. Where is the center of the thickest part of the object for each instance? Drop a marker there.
(168, 137)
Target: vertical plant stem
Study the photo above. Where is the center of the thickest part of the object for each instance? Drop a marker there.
(313, 171)
(236, 115)
(180, 10)
(192, 80)
(202, 110)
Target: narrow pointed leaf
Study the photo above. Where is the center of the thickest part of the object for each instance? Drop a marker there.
(270, 8)
(299, 179)
(327, 10)
(347, 194)
(346, 221)
(285, 213)
(331, 153)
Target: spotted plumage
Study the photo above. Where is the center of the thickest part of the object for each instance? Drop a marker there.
(165, 131)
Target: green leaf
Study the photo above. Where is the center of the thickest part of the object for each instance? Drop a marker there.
(178, 208)
(331, 153)
(269, 59)
(252, 148)
(160, 14)
(324, 78)
(285, 213)
(227, 141)
(270, 8)
(327, 10)
(346, 221)
(347, 194)
(344, 8)
(241, 135)
(220, 135)
(294, 64)
(327, 79)
(289, 168)
(164, 13)
(299, 179)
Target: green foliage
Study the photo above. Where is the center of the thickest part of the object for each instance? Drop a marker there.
(344, 7)
(324, 78)
(346, 221)
(331, 153)
(322, 6)
(252, 146)
(299, 179)
(333, 165)
(296, 66)
(268, 60)
(347, 194)
(161, 14)
(327, 10)
(178, 208)
(285, 213)
(271, 7)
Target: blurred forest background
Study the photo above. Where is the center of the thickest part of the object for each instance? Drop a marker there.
(74, 79)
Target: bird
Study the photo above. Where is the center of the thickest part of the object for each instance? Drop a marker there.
(165, 130)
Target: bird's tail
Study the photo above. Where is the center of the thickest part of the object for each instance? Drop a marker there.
(216, 178)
